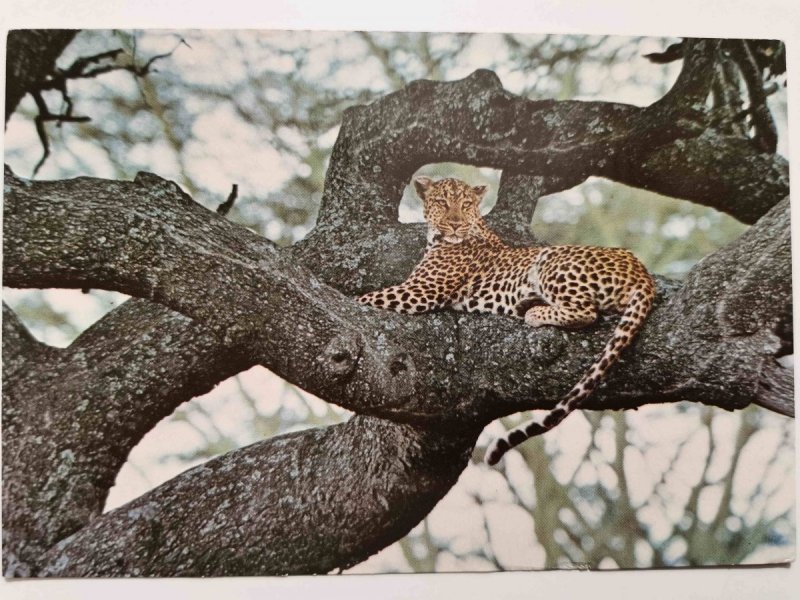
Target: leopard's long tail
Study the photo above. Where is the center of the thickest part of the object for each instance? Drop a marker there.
(630, 322)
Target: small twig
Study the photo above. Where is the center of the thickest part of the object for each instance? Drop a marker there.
(76, 69)
(79, 70)
(44, 116)
(224, 208)
(672, 53)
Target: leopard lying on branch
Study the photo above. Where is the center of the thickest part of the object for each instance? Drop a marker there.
(467, 267)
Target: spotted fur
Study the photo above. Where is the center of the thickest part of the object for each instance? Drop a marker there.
(467, 267)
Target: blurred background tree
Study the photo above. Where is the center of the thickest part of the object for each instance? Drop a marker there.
(671, 485)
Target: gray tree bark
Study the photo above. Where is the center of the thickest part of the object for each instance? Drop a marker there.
(213, 299)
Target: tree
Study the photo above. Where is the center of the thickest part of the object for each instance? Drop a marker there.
(213, 299)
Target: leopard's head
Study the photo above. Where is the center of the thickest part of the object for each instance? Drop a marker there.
(450, 207)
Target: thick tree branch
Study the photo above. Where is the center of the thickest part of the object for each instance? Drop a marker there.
(475, 121)
(742, 297)
(728, 174)
(80, 412)
(516, 201)
(307, 502)
(148, 228)
(139, 233)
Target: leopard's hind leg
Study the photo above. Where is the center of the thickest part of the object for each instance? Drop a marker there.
(579, 311)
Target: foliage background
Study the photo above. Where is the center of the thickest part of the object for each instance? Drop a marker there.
(673, 485)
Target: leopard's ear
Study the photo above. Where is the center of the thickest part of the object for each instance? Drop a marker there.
(480, 191)
(421, 185)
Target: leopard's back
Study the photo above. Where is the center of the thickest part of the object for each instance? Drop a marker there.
(499, 282)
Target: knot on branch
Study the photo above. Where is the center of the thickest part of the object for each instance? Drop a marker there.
(340, 356)
(399, 379)
(400, 364)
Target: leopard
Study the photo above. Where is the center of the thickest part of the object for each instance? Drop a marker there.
(467, 267)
